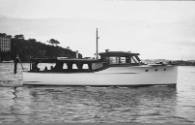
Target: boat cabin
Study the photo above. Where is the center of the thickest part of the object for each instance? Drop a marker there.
(107, 59)
(65, 65)
(120, 58)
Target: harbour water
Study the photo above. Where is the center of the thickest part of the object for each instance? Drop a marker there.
(154, 104)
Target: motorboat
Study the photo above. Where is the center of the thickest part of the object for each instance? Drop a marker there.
(114, 68)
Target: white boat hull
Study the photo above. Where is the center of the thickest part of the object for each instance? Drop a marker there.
(113, 76)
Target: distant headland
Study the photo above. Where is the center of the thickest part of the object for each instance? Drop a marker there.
(11, 46)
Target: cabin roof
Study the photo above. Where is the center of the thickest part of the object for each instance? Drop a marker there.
(64, 60)
(117, 53)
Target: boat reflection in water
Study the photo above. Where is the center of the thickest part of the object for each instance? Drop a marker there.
(114, 68)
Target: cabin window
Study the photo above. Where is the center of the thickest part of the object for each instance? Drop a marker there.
(97, 65)
(50, 66)
(45, 66)
(122, 59)
(40, 67)
(113, 60)
(117, 60)
(65, 66)
(74, 66)
(134, 60)
(85, 66)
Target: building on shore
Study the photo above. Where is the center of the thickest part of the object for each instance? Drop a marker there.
(5, 46)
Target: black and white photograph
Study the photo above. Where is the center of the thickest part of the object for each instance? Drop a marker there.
(102, 62)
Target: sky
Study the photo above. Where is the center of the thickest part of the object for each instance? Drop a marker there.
(155, 29)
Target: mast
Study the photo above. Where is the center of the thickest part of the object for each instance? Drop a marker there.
(97, 37)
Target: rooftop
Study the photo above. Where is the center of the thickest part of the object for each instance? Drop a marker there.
(117, 53)
(64, 60)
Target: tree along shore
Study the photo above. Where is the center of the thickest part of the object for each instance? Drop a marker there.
(32, 48)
